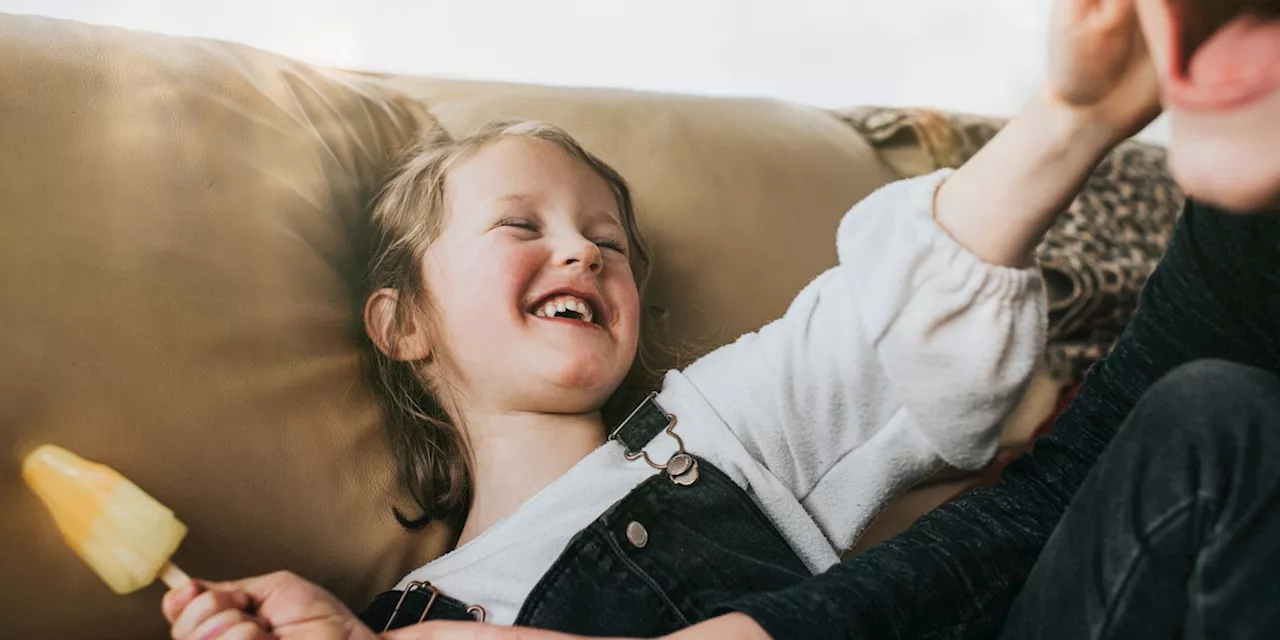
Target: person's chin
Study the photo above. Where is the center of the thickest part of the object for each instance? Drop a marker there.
(588, 380)
(1229, 159)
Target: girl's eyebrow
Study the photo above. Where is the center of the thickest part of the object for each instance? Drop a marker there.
(518, 198)
(607, 216)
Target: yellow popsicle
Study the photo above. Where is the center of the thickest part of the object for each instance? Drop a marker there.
(125, 535)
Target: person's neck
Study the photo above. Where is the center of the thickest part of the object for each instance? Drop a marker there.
(517, 455)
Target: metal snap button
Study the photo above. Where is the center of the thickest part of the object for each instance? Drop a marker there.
(637, 535)
(679, 464)
(682, 468)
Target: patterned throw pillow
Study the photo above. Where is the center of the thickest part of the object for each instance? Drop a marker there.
(1097, 256)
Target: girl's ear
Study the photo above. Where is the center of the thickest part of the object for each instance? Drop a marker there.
(407, 342)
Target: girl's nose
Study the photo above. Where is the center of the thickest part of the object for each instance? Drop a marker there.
(583, 252)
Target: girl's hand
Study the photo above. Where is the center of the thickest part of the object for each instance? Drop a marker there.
(205, 610)
(278, 605)
(1099, 66)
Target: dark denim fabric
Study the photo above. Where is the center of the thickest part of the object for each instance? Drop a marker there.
(1176, 531)
(957, 572)
(708, 544)
(704, 545)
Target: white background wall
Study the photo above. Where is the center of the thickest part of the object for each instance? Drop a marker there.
(981, 56)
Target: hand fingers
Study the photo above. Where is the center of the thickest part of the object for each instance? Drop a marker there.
(205, 606)
(253, 590)
(228, 624)
(1100, 11)
(175, 600)
(259, 587)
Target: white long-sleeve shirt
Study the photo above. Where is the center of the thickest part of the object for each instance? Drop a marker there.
(905, 357)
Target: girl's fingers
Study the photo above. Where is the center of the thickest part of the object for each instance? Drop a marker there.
(175, 600)
(205, 606)
(226, 624)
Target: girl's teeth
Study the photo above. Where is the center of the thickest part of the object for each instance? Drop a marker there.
(551, 308)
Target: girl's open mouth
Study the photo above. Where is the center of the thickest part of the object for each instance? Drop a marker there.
(1226, 53)
(567, 307)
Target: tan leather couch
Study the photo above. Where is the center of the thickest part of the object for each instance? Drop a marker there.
(177, 242)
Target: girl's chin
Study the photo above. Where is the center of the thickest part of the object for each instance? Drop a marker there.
(587, 377)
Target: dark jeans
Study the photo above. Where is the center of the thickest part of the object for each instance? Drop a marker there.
(1176, 531)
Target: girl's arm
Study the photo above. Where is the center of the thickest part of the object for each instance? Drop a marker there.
(1001, 202)
(1101, 89)
(917, 346)
(906, 357)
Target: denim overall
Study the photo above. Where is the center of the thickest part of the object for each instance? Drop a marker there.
(682, 545)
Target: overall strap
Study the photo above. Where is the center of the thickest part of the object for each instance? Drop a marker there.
(418, 602)
(642, 426)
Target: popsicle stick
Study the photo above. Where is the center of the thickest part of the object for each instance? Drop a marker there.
(172, 576)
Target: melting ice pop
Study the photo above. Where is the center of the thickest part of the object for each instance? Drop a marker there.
(124, 534)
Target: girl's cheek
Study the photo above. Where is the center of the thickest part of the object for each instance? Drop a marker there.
(511, 256)
(628, 298)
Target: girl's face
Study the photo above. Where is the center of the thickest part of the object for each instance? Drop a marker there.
(1220, 68)
(532, 283)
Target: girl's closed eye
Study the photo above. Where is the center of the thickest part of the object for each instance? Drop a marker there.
(523, 224)
(611, 244)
